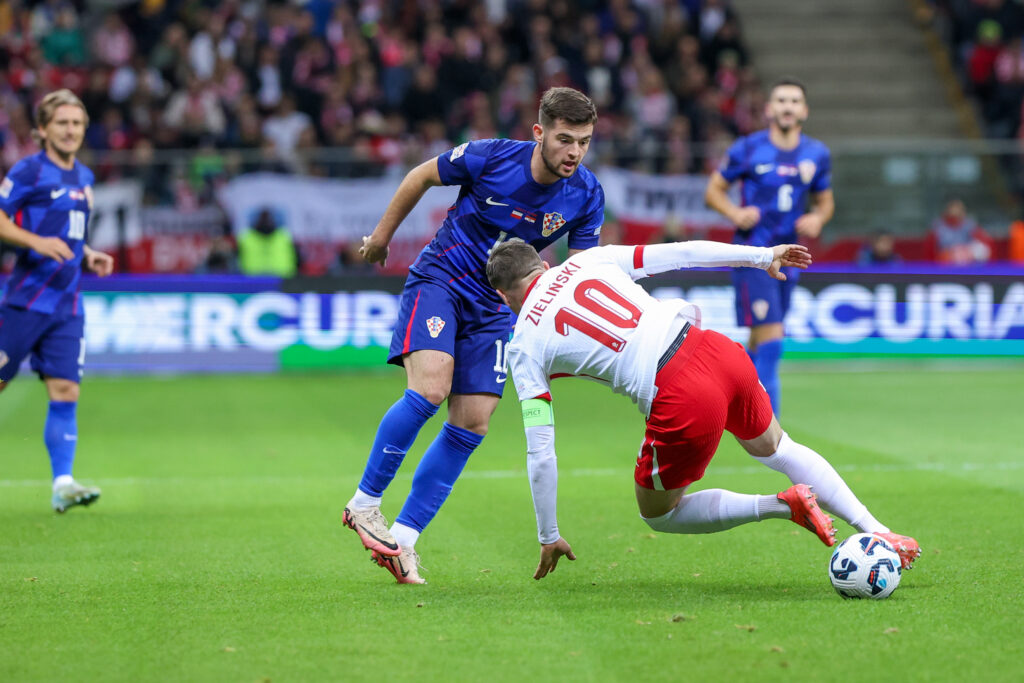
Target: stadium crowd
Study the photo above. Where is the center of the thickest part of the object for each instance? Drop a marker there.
(387, 80)
(985, 38)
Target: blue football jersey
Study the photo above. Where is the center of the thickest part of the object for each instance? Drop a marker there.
(52, 202)
(500, 201)
(777, 182)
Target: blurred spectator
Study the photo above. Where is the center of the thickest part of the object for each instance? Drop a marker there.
(64, 43)
(267, 248)
(957, 239)
(285, 128)
(112, 43)
(194, 112)
(1017, 241)
(880, 250)
(221, 259)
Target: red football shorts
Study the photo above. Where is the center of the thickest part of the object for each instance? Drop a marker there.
(708, 386)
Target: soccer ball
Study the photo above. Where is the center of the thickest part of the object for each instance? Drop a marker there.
(864, 566)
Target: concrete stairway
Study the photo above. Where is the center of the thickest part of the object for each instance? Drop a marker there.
(865, 63)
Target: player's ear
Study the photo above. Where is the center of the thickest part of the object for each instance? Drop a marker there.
(547, 266)
(538, 132)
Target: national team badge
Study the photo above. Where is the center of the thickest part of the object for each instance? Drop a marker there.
(552, 222)
(807, 169)
(5, 188)
(760, 309)
(3, 358)
(434, 326)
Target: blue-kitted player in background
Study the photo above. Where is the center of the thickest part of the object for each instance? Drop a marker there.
(50, 195)
(786, 193)
(452, 327)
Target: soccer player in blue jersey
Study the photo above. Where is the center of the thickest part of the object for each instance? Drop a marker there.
(50, 193)
(786, 193)
(452, 327)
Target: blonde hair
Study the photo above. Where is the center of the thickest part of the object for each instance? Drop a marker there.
(47, 107)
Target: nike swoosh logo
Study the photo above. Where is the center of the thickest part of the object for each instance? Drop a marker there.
(56, 193)
(490, 200)
(393, 546)
(393, 451)
(401, 567)
(501, 380)
(763, 168)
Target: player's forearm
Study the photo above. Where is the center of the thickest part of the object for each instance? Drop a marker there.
(823, 205)
(716, 196)
(409, 192)
(542, 467)
(660, 258)
(12, 234)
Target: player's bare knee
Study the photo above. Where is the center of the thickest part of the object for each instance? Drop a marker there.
(767, 443)
(62, 390)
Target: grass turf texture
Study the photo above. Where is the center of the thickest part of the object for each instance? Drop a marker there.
(217, 553)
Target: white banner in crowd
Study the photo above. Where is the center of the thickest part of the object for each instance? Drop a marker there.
(107, 199)
(328, 210)
(653, 199)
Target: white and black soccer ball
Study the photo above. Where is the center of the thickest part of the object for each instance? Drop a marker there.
(864, 566)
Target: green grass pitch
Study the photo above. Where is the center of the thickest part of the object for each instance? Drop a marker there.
(217, 553)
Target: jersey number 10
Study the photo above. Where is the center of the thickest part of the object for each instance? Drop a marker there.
(584, 296)
(76, 225)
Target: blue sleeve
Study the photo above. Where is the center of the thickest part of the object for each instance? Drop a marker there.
(734, 165)
(464, 164)
(823, 178)
(16, 187)
(587, 231)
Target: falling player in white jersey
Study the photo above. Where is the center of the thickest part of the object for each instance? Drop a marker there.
(588, 317)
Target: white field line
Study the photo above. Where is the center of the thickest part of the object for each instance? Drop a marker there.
(956, 469)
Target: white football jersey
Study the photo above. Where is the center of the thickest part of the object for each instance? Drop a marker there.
(588, 318)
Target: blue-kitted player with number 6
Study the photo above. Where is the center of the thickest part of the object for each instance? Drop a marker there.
(45, 202)
(787, 193)
(452, 327)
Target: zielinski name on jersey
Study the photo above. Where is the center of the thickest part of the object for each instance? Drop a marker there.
(564, 275)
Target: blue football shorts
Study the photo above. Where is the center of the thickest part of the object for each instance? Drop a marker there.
(760, 298)
(56, 343)
(436, 316)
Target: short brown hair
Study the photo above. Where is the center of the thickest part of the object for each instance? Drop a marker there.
(47, 106)
(510, 262)
(788, 80)
(567, 104)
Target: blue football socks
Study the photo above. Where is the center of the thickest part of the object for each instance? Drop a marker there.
(766, 360)
(395, 436)
(61, 436)
(436, 474)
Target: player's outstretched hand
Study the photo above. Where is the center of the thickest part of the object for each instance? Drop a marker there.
(55, 248)
(549, 554)
(372, 252)
(788, 256)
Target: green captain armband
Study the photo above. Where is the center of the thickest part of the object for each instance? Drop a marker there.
(537, 412)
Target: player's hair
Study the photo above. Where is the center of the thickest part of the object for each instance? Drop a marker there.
(567, 104)
(510, 262)
(47, 106)
(789, 80)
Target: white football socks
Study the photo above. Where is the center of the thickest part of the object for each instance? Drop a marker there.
(61, 480)
(712, 510)
(404, 535)
(363, 501)
(803, 466)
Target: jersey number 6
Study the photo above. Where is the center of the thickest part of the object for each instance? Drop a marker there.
(627, 318)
